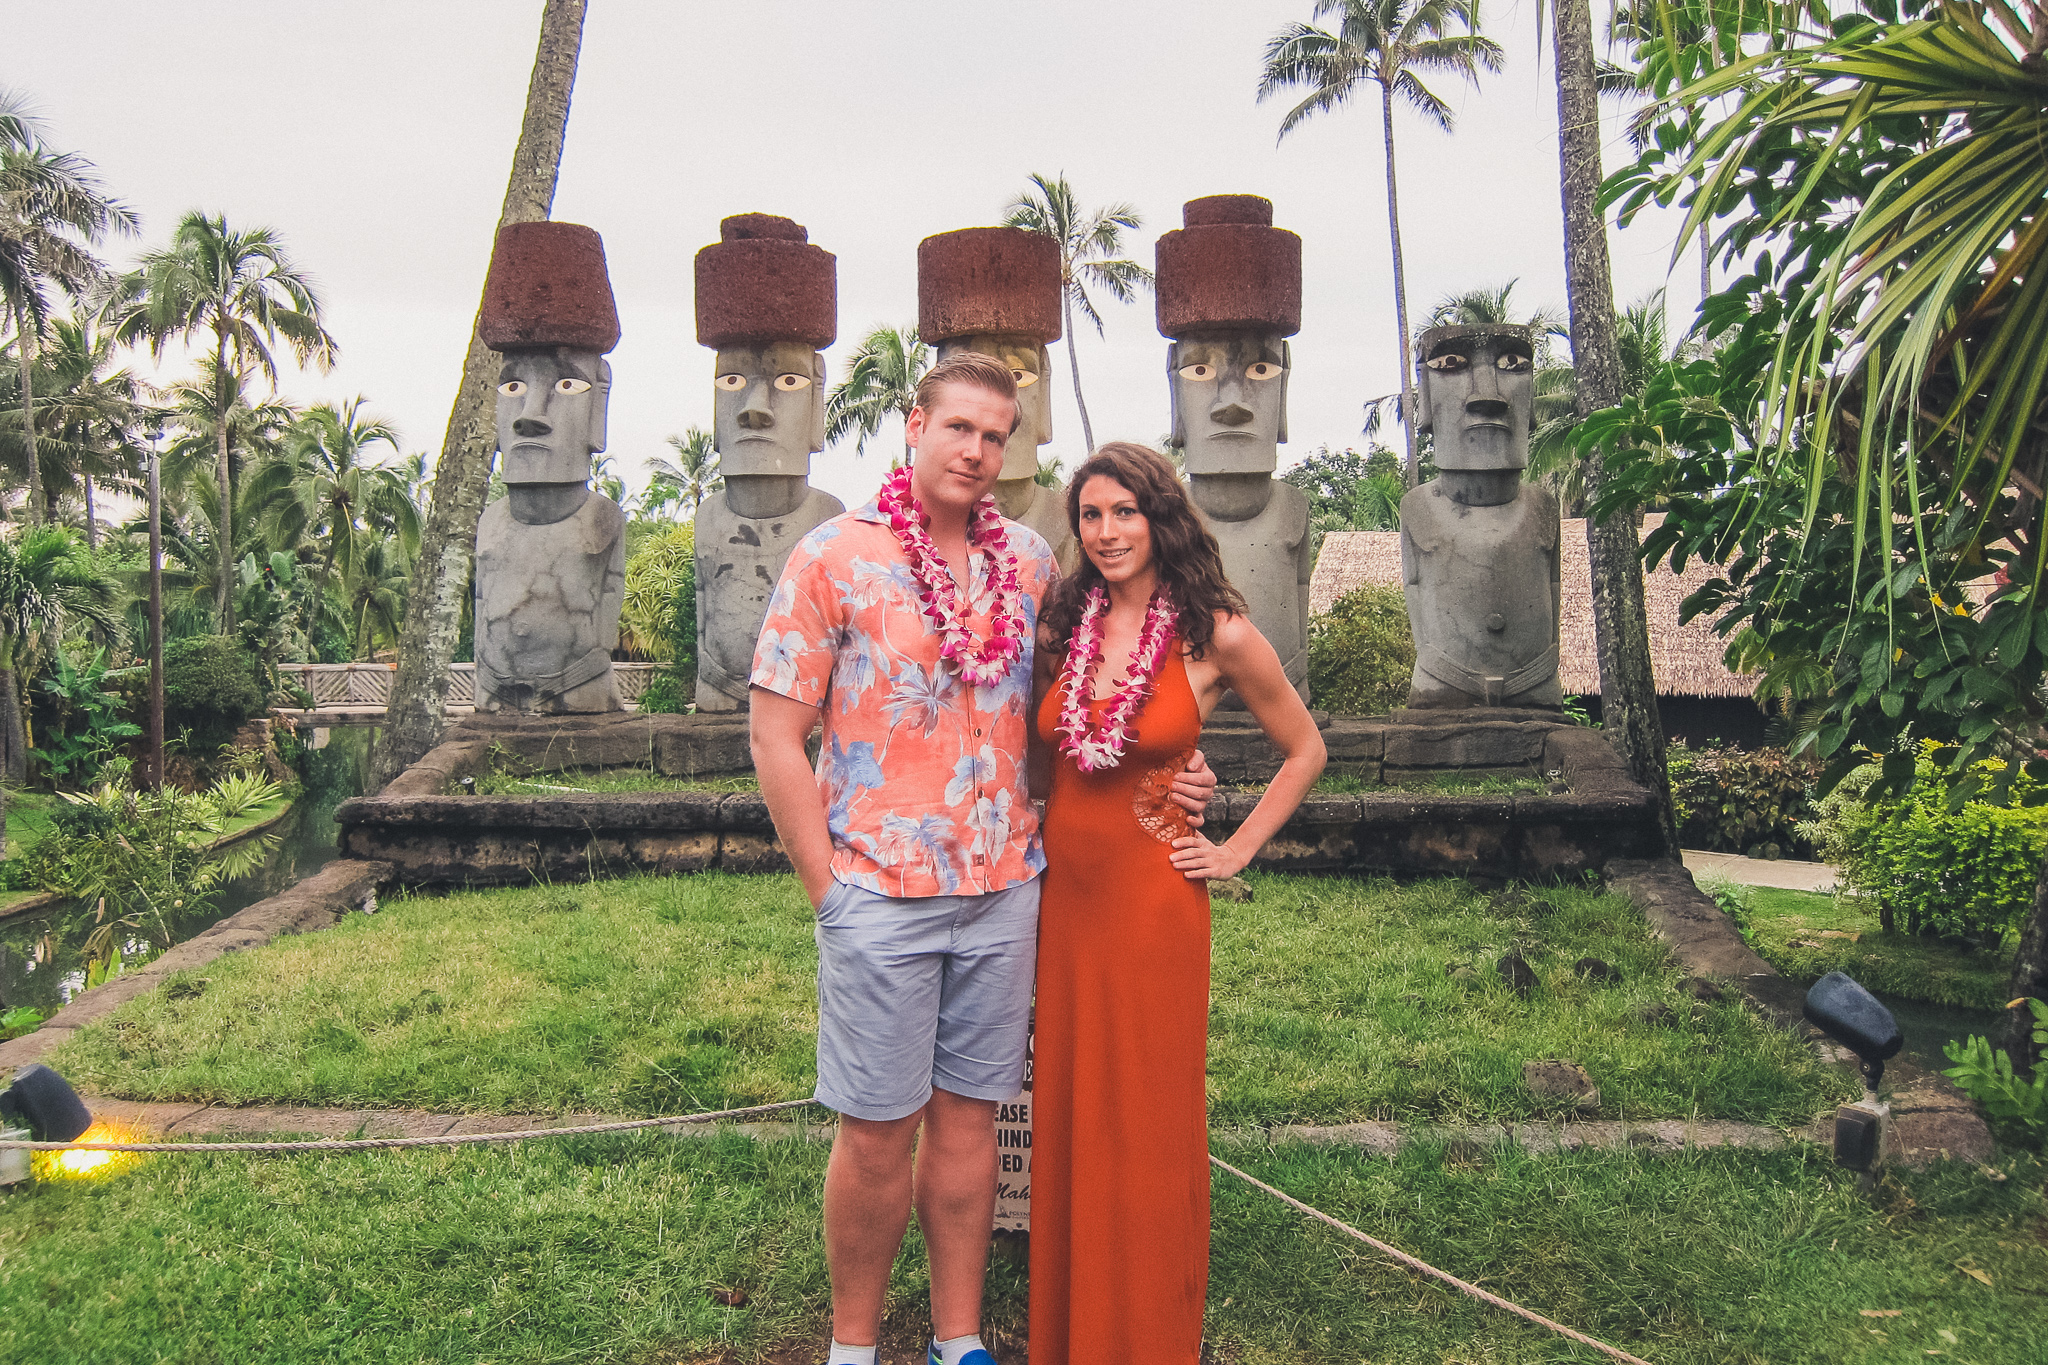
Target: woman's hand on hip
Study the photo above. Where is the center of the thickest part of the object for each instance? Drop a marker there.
(1201, 861)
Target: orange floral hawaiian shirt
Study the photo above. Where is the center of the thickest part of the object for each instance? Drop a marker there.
(923, 777)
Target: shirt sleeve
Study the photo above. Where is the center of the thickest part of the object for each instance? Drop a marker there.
(806, 621)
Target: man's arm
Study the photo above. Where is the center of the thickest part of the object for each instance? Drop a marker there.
(776, 730)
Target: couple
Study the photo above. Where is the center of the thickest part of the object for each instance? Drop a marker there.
(910, 624)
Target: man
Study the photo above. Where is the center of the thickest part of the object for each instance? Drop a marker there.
(916, 841)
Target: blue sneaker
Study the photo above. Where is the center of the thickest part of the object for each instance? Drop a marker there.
(977, 1356)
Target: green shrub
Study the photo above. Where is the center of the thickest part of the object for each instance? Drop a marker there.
(664, 695)
(660, 615)
(211, 686)
(1361, 655)
(1740, 801)
(1987, 1077)
(1964, 872)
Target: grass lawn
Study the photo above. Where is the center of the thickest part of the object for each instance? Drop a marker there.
(602, 1250)
(1332, 1002)
(1806, 935)
(28, 817)
(501, 783)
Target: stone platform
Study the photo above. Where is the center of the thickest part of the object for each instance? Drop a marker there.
(432, 835)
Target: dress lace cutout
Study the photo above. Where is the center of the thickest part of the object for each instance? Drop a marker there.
(1152, 802)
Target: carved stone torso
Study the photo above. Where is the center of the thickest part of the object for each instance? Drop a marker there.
(1482, 588)
(739, 561)
(1266, 558)
(547, 609)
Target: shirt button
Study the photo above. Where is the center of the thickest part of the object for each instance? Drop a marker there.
(977, 860)
(977, 732)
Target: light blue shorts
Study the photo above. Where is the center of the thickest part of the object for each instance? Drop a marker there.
(925, 993)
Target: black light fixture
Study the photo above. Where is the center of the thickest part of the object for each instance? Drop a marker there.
(44, 1103)
(1858, 1020)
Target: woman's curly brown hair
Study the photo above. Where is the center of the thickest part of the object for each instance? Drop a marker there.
(1184, 554)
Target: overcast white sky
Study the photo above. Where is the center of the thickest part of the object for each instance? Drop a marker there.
(375, 138)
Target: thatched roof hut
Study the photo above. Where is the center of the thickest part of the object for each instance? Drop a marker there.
(1685, 658)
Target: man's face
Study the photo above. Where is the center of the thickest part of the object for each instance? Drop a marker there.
(1027, 361)
(551, 413)
(958, 444)
(1478, 398)
(770, 408)
(1229, 401)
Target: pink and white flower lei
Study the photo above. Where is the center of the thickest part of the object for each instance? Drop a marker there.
(983, 663)
(1102, 746)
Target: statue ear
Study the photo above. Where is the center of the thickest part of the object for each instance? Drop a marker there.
(600, 411)
(1286, 373)
(1173, 418)
(817, 441)
(1422, 417)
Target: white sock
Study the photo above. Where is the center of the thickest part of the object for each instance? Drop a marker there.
(843, 1354)
(952, 1352)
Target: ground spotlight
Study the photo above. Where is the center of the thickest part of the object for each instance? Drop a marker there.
(1856, 1019)
(40, 1106)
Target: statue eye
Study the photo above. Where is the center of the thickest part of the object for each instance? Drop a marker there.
(512, 388)
(1025, 378)
(1447, 364)
(572, 386)
(1262, 369)
(1513, 364)
(732, 383)
(1201, 374)
(790, 383)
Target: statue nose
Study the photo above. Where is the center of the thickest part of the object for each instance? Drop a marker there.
(1230, 414)
(1486, 409)
(755, 416)
(533, 424)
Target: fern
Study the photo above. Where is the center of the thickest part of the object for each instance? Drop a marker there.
(1987, 1077)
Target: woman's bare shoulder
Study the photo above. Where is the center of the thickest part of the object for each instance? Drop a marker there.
(1233, 632)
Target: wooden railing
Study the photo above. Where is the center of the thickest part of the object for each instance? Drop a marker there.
(360, 687)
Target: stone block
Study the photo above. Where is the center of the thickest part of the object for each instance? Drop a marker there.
(1490, 745)
(1578, 751)
(1351, 740)
(745, 813)
(751, 853)
(715, 746)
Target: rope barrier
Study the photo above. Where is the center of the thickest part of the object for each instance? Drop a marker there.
(445, 1140)
(783, 1106)
(1413, 1263)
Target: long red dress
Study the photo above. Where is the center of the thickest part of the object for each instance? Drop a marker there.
(1119, 1159)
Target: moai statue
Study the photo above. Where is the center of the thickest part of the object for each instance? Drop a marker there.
(550, 554)
(1479, 561)
(1229, 295)
(767, 302)
(997, 290)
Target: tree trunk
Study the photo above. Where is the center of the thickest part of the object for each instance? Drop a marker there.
(13, 734)
(26, 332)
(440, 580)
(224, 531)
(1412, 467)
(1628, 690)
(2029, 978)
(92, 529)
(1706, 264)
(1074, 368)
(153, 742)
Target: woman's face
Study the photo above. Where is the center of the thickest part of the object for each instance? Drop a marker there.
(1114, 533)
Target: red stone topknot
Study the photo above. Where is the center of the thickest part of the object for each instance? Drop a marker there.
(988, 280)
(762, 281)
(1228, 269)
(548, 287)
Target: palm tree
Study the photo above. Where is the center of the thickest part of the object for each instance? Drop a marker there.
(374, 592)
(1621, 631)
(689, 479)
(881, 379)
(462, 473)
(333, 494)
(241, 287)
(89, 419)
(46, 576)
(1384, 43)
(1089, 244)
(52, 212)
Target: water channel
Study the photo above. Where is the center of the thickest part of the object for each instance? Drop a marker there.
(39, 952)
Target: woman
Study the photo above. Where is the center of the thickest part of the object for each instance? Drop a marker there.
(1134, 650)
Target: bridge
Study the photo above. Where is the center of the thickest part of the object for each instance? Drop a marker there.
(358, 694)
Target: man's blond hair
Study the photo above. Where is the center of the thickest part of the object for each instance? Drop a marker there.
(971, 367)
